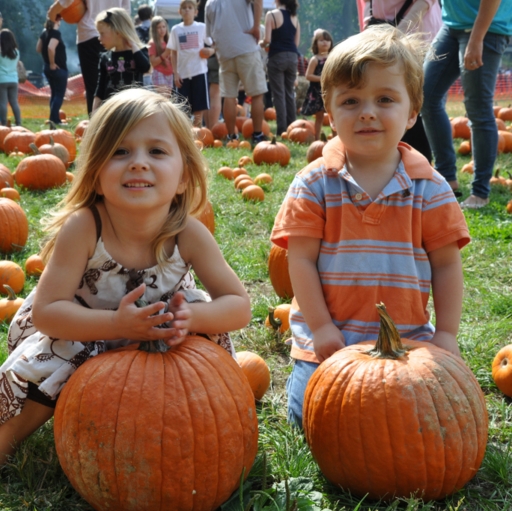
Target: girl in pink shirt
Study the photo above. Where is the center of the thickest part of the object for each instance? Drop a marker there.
(160, 55)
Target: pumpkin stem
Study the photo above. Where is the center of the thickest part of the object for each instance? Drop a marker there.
(389, 344)
(34, 148)
(11, 295)
(157, 346)
(275, 323)
(323, 138)
(273, 141)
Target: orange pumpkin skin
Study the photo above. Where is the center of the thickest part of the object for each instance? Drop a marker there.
(207, 217)
(6, 178)
(502, 370)
(279, 318)
(40, 172)
(461, 128)
(204, 135)
(316, 148)
(128, 421)
(11, 274)
(13, 226)
(253, 193)
(80, 128)
(59, 137)
(278, 272)
(10, 305)
(19, 141)
(34, 265)
(248, 129)
(10, 193)
(256, 371)
(74, 13)
(271, 152)
(388, 428)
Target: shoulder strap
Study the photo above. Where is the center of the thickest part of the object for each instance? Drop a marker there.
(97, 220)
(274, 18)
(401, 12)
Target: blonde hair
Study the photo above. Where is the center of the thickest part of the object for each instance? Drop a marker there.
(119, 21)
(381, 44)
(108, 127)
(155, 21)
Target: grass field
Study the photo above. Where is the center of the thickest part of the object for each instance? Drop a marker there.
(285, 476)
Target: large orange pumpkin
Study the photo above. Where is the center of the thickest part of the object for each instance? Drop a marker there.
(278, 272)
(204, 135)
(207, 217)
(40, 172)
(19, 141)
(316, 148)
(461, 128)
(6, 178)
(75, 12)
(256, 371)
(390, 420)
(271, 152)
(13, 226)
(248, 128)
(154, 431)
(4, 131)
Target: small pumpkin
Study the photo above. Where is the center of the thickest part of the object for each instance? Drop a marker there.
(242, 177)
(6, 178)
(263, 178)
(217, 144)
(13, 226)
(248, 128)
(226, 172)
(204, 135)
(270, 114)
(253, 193)
(60, 136)
(509, 207)
(10, 305)
(13, 275)
(238, 171)
(465, 147)
(52, 148)
(460, 128)
(244, 183)
(279, 318)
(301, 136)
(256, 371)
(34, 266)
(220, 131)
(232, 144)
(301, 123)
(497, 180)
(245, 144)
(271, 152)
(10, 193)
(505, 113)
(278, 272)
(502, 370)
(244, 160)
(395, 403)
(468, 168)
(199, 144)
(80, 128)
(207, 217)
(315, 149)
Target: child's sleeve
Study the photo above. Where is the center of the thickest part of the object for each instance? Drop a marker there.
(172, 43)
(141, 59)
(442, 219)
(152, 49)
(302, 212)
(101, 85)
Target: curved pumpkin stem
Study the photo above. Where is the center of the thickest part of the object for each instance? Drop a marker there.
(11, 295)
(157, 346)
(34, 148)
(273, 141)
(389, 344)
(275, 323)
(323, 138)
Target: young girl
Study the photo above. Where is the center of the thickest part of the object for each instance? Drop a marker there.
(126, 59)
(314, 104)
(9, 57)
(126, 231)
(160, 55)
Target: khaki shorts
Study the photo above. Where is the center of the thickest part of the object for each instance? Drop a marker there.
(247, 68)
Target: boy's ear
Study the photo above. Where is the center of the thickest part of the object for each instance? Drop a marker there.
(412, 119)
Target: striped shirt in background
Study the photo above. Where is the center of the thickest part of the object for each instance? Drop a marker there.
(371, 251)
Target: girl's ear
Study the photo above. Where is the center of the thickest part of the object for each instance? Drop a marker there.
(183, 185)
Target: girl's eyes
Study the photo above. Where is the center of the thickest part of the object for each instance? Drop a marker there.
(123, 152)
(120, 152)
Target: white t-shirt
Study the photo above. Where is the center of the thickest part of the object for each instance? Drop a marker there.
(188, 40)
(86, 27)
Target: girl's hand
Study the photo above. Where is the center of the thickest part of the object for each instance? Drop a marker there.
(446, 341)
(140, 323)
(182, 313)
(327, 340)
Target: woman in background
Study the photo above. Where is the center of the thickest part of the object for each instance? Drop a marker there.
(53, 50)
(9, 56)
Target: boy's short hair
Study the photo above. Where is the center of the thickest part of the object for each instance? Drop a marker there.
(381, 44)
(188, 2)
(145, 12)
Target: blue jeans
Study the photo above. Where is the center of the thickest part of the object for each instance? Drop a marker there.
(58, 81)
(296, 387)
(478, 86)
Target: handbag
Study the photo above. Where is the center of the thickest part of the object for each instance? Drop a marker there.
(22, 72)
(394, 22)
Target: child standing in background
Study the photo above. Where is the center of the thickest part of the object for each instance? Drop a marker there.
(126, 231)
(370, 221)
(126, 59)
(313, 104)
(189, 60)
(160, 55)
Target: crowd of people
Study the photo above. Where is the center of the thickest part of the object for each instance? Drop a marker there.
(338, 220)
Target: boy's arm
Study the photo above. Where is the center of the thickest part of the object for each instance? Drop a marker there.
(447, 289)
(174, 63)
(307, 288)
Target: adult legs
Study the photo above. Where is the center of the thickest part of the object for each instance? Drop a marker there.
(12, 96)
(439, 76)
(3, 103)
(212, 115)
(276, 78)
(17, 429)
(290, 76)
(89, 56)
(479, 88)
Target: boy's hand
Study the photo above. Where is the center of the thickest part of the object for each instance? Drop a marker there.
(177, 80)
(139, 321)
(327, 340)
(446, 341)
(182, 313)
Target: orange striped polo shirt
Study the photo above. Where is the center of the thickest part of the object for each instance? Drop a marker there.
(371, 251)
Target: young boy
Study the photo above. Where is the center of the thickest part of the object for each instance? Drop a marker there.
(371, 221)
(189, 60)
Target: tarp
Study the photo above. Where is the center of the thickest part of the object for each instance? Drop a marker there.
(169, 9)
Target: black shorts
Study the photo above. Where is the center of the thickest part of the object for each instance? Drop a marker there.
(195, 91)
(34, 394)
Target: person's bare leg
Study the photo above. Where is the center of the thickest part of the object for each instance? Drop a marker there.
(17, 429)
(198, 119)
(319, 122)
(212, 115)
(257, 112)
(229, 112)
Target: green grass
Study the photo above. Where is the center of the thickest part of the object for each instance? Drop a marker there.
(285, 474)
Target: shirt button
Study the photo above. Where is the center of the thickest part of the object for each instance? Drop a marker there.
(359, 196)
